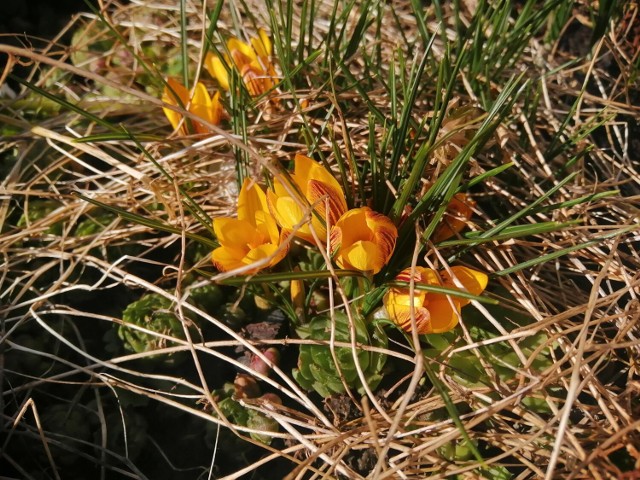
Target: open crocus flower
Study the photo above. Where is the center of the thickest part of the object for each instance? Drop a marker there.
(251, 237)
(363, 240)
(251, 61)
(317, 187)
(455, 218)
(201, 105)
(434, 312)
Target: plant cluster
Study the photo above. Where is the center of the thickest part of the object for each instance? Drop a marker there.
(321, 239)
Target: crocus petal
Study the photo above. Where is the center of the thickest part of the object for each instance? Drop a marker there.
(228, 258)
(473, 281)
(307, 169)
(254, 80)
(217, 111)
(361, 232)
(234, 232)
(352, 227)
(443, 314)
(288, 214)
(262, 44)
(316, 186)
(218, 70)
(443, 310)
(173, 90)
(267, 226)
(235, 45)
(250, 200)
(262, 252)
(201, 106)
(401, 315)
(384, 231)
(364, 256)
(330, 202)
(455, 218)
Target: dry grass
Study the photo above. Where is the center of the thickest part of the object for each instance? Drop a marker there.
(581, 303)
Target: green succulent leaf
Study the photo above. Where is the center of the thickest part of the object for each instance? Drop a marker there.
(327, 370)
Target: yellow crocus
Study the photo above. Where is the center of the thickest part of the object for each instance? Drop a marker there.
(252, 62)
(455, 218)
(316, 187)
(363, 240)
(434, 312)
(201, 105)
(252, 237)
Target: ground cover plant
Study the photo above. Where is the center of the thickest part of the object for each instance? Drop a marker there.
(322, 239)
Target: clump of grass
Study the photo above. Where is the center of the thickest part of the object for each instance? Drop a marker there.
(103, 206)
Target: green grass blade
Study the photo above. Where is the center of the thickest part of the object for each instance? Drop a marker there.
(147, 222)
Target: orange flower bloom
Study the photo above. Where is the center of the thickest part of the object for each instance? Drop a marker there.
(251, 61)
(363, 240)
(455, 218)
(251, 237)
(317, 187)
(201, 104)
(434, 312)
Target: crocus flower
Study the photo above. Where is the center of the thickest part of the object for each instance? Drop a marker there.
(363, 240)
(251, 61)
(201, 105)
(455, 218)
(434, 312)
(317, 187)
(251, 237)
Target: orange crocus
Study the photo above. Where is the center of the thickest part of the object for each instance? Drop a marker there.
(201, 105)
(455, 217)
(252, 62)
(252, 237)
(363, 240)
(312, 185)
(434, 312)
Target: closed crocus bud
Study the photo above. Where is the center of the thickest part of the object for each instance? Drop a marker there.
(201, 105)
(455, 218)
(434, 312)
(363, 240)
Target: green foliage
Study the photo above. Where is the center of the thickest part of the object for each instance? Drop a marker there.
(152, 312)
(465, 367)
(37, 210)
(317, 370)
(227, 400)
(157, 313)
(94, 224)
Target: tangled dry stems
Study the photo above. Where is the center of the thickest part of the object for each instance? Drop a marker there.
(585, 302)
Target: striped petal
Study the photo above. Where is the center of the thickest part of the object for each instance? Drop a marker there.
(328, 200)
(443, 310)
(306, 170)
(363, 239)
